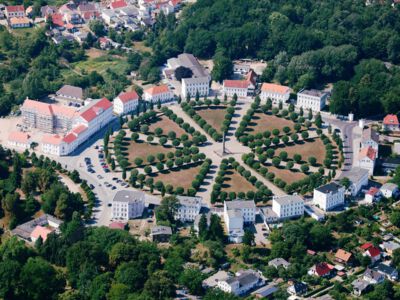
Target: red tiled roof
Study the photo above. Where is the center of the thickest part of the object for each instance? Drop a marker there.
(79, 129)
(373, 191)
(117, 225)
(175, 2)
(158, 89)
(118, 4)
(19, 137)
(251, 76)
(94, 110)
(57, 20)
(366, 246)
(239, 84)
(274, 88)
(69, 138)
(128, 96)
(41, 231)
(19, 20)
(322, 269)
(343, 255)
(373, 251)
(52, 139)
(15, 8)
(368, 152)
(391, 120)
(40, 107)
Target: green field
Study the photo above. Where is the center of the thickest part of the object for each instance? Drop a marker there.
(101, 64)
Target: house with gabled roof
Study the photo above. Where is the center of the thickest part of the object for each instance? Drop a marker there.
(373, 252)
(276, 92)
(370, 138)
(73, 94)
(19, 139)
(14, 11)
(343, 257)
(158, 93)
(321, 270)
(126, 102)
(389, 190)
(367, 158)
(391, 123)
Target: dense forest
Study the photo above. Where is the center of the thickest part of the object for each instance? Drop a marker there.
(306, 43)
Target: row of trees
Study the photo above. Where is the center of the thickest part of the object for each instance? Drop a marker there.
(231, 165)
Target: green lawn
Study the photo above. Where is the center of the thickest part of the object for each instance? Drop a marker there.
(101, 64)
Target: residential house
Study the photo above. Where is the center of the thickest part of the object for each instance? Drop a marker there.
(47, 10)
(321, 270)
(242, 283)
(370, 138)
(128, 205)
(358, 178)
(276, 92)
(213, 280)
(14, 11)
(278, 262)
(158, 93)
(373, 277)
(126, 102)
(297, 288)
(105, 43)
(373, 195)
(390, 190)
(343, 257)
(290, 206)
(311, 99)
(19, 22)
(329, 196)
(188, 209)
(389, 272)
(238, 87)
(372, 252)
(19, 139)
(391, 123)
(367, 158)
(70, 93)
(57, 20)
(236, 214)
(161, 234)
(41, 226)
(70, 13)
(390, 247)
(118, 4)
(109, 16)
(360, 286)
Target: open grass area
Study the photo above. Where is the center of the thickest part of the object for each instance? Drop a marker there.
(179, 177)
(95, 53)
(141, 47)
(101, 64)
(234, 182)
(166, 125)
(143, 149)
(312, 147)
(214, 115)
(262, 122)
(289, 176)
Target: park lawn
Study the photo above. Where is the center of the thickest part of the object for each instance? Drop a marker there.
(262, 122)
(234, 182)
(143, 149)
(311, 147)
(101, 64)
(178, 177)
(167, 125)
(289, 176)
(214, 115)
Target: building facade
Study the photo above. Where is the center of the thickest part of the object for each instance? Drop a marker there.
(289, 206)
(237, 213)
(329, 196)
(159, 93)
(18, 139)
(127, 205)
(367, 158)
(126, 103)
(16, 11)
(311, 99)
(276, 92)
(391, 123)
(192, 86)
(242, 283)
(188, 209)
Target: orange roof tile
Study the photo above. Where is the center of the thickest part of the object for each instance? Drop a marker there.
(343, 255)
(41, 231)
(69, 138)
(128, 96)
(19, 20)
(118, 4)
(368, 152)
(275, 88)
(43, 108)
(15, 8)
(158, 89)
(18, 136)
(373, 191)
(239, 84)
(391, 120)
(79, 129)
(63, 111)
(53, 139)
(96, 109)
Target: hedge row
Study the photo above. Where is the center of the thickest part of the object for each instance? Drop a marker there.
(189, 109)
(91, 199)
(262, 193)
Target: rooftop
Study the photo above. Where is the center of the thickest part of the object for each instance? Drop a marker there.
(19, 137)
(156, 230)
(370, 134)
(391, 120)
(24, 230)
(189, 61)
(128, 96)
(343, 255)
(129, 196)
(389, 186)
(240, 204)
(274, 88)
(367, 152)
(95, 108)
(70, 91)
(289, 199)
(332, 187)
(157, 89)
(189, 201)
(355, 174)
(239, 84)
(312, 92)
(41, 231)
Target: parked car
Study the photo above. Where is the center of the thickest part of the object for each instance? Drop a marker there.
(113, 187)
(107, 170)
(99, 176)
(91, 186)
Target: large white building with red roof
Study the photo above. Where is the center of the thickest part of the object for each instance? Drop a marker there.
(242, 88)
(391, 123)
(126, 102)
(276, 92)
(158, 93)
(19, 139)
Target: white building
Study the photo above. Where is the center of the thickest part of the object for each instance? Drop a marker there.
(289, 206)
(358, 178)
(127, 205)
(389, 190)
(19, 139)
(276, 92)
(372, 195)
(329, 196)
(236, 214)
(189, 208)
(158, 93)
(70, 93)
(314, 99)
(370, 138)
(367, 158)
(126, 102)
(242, 283)
(238, 87)
(192, 86)
(85, 123)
